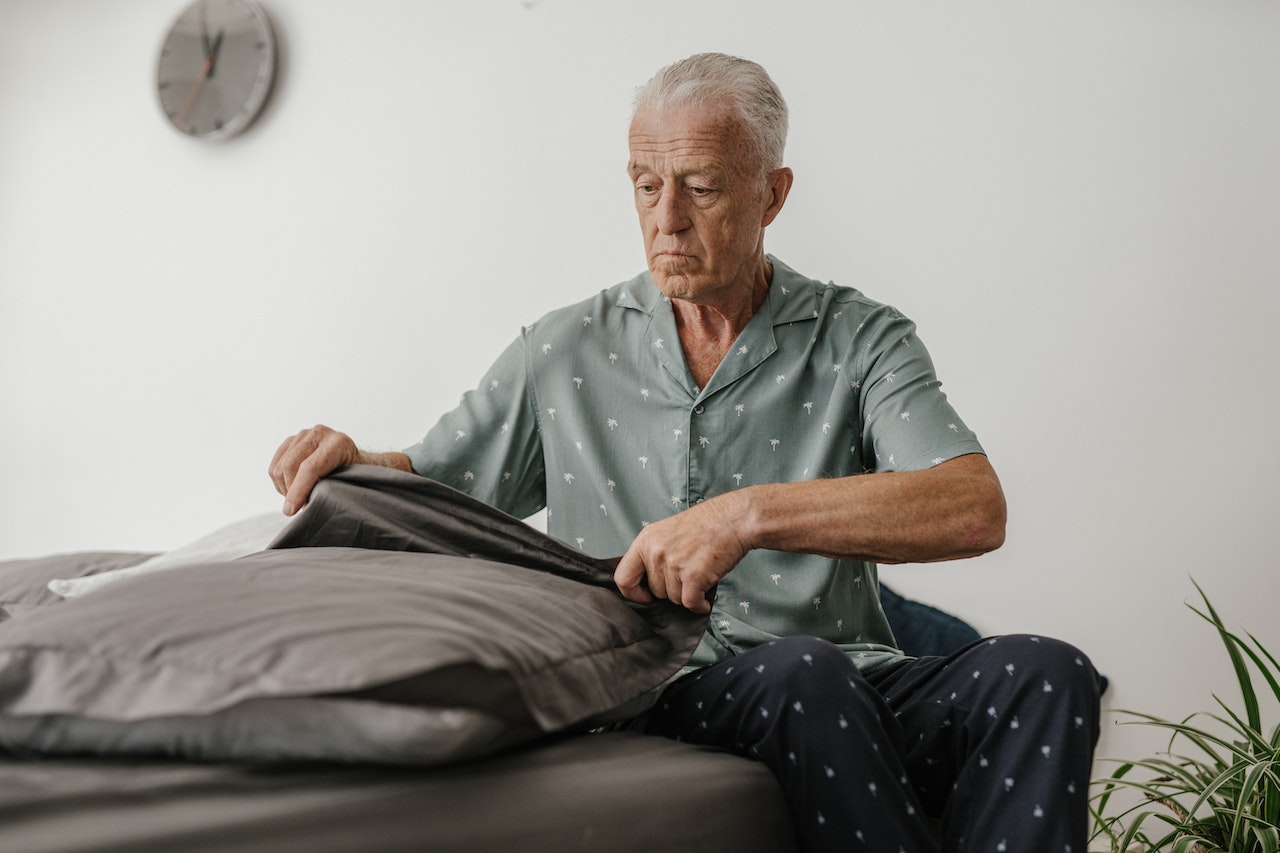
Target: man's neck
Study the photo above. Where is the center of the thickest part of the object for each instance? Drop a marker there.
(708, 331)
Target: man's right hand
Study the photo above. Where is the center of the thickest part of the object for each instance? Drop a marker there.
(305, 458)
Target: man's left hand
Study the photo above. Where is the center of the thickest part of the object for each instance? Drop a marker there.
(682, 557)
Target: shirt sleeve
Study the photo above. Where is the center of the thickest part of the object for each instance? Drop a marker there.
(908, 422)
(490, 446)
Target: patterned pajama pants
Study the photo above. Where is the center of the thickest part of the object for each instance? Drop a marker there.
(994, 742)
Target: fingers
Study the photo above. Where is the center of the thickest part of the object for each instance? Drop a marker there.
(291, 453)
(303, 459)
(695, 598)
(629, 577)
(275, 471)
(305, 478)
(663, 577)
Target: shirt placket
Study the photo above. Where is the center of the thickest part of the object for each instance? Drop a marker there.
(698, 479)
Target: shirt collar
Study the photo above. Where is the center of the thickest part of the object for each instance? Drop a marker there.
(792, 298)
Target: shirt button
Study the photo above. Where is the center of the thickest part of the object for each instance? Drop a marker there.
(699, 410)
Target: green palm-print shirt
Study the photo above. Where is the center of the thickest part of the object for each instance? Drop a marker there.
(592, 412)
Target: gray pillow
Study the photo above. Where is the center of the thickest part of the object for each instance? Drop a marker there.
(345, 653)
(509, 651)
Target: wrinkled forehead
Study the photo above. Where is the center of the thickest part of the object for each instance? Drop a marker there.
(689, 133)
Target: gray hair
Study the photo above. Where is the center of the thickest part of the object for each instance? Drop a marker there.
(708, 78)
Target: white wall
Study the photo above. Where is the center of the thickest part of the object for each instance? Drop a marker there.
(1078, 202)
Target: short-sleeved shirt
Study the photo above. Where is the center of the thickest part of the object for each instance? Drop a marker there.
(592, 412)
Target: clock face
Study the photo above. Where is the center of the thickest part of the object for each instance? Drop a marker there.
(216, 68)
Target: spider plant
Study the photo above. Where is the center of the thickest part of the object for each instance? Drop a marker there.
(1216, 788)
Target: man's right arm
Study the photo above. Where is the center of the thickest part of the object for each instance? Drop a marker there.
(306, 458)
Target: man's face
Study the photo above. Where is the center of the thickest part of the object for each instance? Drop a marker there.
(702, 202)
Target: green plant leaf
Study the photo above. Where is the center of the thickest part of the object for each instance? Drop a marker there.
(1268, 839)
(1199, 737)
(1257, 742)
(1232, 644)
(1193, 844)
(1271, 672)
(1225, 795)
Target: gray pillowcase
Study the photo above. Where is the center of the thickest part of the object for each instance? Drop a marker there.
(345, 653)
(279, 730)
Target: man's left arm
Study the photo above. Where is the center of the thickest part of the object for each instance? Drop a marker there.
(954, 509)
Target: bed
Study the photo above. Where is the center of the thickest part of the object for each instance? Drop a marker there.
(401, 667)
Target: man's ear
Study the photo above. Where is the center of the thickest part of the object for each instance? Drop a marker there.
(776, 190)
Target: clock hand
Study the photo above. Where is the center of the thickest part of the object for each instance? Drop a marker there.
(195, 90)
(212, 55)
(205, 72)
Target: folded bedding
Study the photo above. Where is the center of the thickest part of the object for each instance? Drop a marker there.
(394, 620)
(246, 536)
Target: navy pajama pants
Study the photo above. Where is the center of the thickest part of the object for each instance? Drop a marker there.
(994, 743)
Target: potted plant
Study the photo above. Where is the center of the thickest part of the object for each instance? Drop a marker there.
(1217, 787)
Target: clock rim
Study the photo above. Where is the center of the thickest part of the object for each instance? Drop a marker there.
(258, 96)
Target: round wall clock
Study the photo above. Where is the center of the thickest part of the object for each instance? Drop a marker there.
(216, 68)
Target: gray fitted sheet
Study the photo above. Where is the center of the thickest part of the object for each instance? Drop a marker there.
(614, 792)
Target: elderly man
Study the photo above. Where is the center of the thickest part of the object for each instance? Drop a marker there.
(731, 425)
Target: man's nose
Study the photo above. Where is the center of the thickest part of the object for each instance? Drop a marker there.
(671, 215)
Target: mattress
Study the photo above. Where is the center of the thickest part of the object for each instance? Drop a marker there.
(614, 791)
